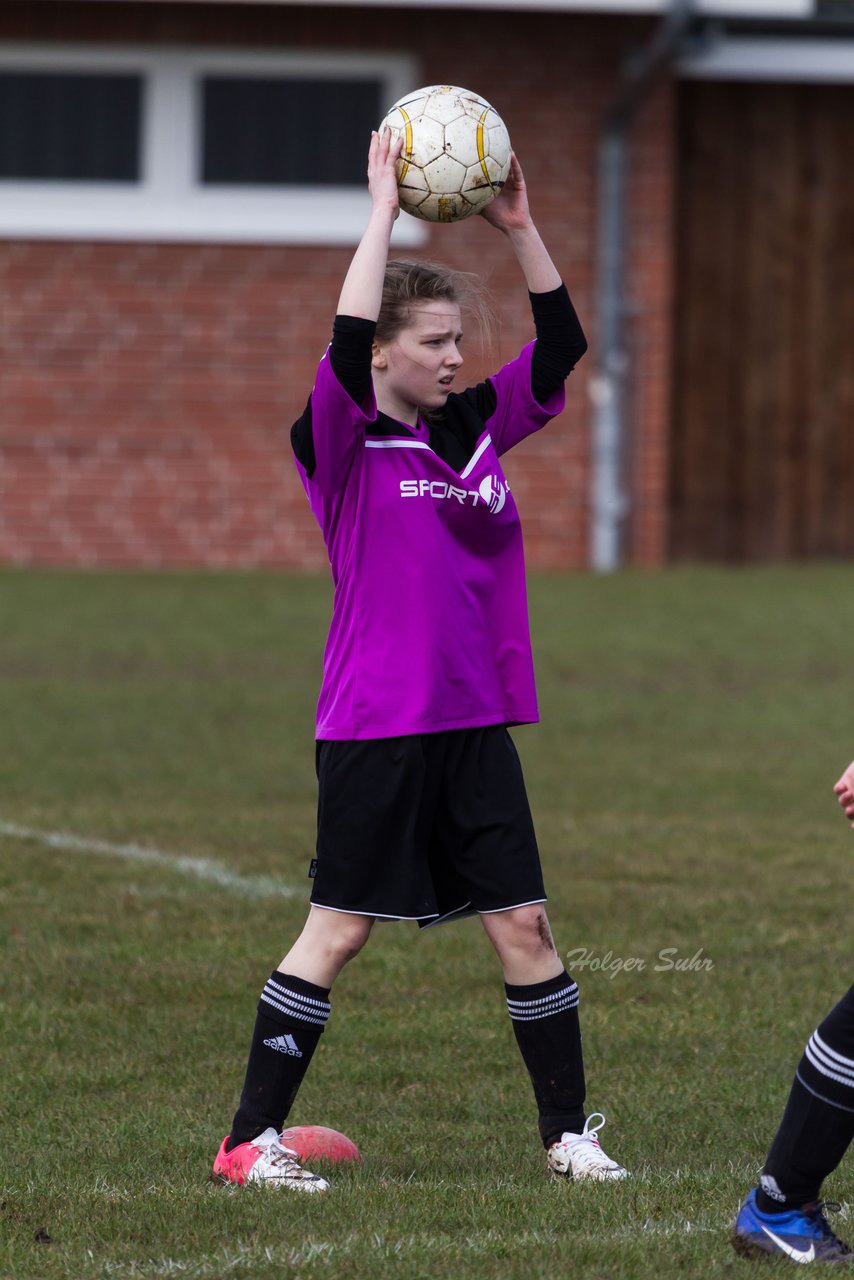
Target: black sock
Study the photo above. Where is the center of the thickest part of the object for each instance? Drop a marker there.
(818, 1123)
(545, 1023)
(291, 1016)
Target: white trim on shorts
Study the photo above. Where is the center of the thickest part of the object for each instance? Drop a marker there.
(373, 915)
(494, 911)
(460, 913)
(457, 913)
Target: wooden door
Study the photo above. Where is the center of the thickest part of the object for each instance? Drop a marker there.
(762, 441)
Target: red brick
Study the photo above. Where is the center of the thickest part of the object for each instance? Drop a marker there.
(147, 390)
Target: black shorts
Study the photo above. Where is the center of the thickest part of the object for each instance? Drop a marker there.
(425, 827)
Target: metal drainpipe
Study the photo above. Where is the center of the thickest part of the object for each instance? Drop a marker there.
(609, 503)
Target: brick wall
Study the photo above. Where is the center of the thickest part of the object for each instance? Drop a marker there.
(146, 391)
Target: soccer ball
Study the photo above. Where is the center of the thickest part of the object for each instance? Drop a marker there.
(456, 152)
(314, 1142)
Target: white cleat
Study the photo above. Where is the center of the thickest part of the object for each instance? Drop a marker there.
(579, 1156)
(266, 1160)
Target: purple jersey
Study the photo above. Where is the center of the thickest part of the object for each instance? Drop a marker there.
(430, 619)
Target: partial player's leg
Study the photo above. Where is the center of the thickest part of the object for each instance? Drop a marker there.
(370, 801)
(783, 1215)
(542, 1000)
(292, 1014)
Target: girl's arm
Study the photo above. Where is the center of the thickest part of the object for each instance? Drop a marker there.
(322, 448)
(359, 304)
(560, 338)
(509, 212)
(361, 293)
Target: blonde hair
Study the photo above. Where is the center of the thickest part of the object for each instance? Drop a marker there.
(408, 283)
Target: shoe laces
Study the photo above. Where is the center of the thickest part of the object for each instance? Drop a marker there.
(817, 1215)
(282, 1156)
(587, 1135)
(591, 1132)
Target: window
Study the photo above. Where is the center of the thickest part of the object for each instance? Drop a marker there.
(69, 126)
(276, 132)
(145, 143)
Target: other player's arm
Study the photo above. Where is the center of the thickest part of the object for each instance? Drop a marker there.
(845, 792)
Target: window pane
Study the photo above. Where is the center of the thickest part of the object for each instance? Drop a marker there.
(258, 131)
(69, 126)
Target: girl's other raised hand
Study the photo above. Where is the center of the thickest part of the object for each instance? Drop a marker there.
(509, 210)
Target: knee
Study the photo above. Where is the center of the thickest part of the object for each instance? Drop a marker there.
(343, 937)
(523, 929)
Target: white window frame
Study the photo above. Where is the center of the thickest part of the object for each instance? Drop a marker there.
(810, 60)
(169, 202)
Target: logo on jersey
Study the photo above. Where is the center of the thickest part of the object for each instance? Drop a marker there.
(491, 493)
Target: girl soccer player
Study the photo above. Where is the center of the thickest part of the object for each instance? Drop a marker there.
(422, 810)
(784, 1216)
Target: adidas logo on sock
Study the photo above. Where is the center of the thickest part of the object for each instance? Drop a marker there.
(771, 1189)
(284, 1044)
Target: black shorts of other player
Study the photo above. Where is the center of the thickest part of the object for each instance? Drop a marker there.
(427, 827)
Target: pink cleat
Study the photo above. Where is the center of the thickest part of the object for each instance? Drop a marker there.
(264, 1160)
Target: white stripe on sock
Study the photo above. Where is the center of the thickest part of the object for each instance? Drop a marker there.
(284, 1005)
(285, 990)
(570, 989)
(825, 1065)
(837, 1060)
(545, 1006)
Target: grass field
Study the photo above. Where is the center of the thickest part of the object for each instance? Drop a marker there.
(157, 809)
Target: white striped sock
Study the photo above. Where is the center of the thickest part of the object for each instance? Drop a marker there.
(828, 1062)
(279, 996)
(544, 1006)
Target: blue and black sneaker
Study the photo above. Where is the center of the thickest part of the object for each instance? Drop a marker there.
(804, 1235)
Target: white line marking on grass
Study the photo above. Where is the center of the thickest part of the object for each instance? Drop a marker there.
(383, 1248)
(185, 864)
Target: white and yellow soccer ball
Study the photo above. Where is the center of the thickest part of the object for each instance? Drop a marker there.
(456, 152)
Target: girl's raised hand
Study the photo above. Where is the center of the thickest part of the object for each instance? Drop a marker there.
(383, 156)
(362, 290)
(509, 210)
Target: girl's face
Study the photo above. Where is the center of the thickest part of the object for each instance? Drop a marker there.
(416, 369)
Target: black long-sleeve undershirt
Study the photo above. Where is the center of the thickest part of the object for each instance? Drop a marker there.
(560, 341)
(560, 344)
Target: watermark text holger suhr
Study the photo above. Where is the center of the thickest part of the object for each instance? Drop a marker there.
(668, 960)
